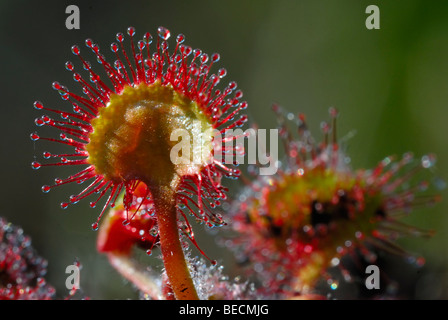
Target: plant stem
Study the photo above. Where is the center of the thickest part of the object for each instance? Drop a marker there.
(173, 255)
(133, 272)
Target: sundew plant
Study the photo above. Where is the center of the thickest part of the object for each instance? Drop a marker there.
(199, 179)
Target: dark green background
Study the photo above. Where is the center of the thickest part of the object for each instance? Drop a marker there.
(390, 85)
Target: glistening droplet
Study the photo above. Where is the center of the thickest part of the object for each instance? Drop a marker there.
(35, 165)
(164, 33)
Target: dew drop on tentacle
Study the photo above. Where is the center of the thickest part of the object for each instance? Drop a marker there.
(428, 161)
(215, 57)
(439, 183)
(333, 284)
(408, 157)
(120, 37)
(38, 105)
(73, 199)
(114, 48)
(69, 66)
(75, 50)
(420, 262)
(222, 72)
(147, 37)
(141, 45)
(417, 261)
(154, 231)
(163, 33)
(131, 31)
(35, 165)
(180, 38)
(34, 137)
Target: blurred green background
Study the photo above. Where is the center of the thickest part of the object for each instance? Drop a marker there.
(390, 85)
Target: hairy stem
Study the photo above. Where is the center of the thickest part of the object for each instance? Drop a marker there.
(173, 255)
